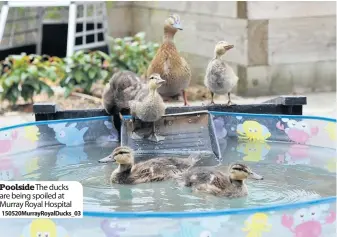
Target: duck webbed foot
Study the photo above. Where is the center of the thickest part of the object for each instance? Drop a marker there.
(155, 137)
(136, 136)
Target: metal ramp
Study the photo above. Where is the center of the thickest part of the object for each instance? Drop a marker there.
(184, 133)
(19, 27)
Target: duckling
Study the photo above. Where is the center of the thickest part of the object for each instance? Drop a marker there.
(169, 64)
(220, 77)
(152, 107)
(215, 182)
(153, 170)
(123, 87)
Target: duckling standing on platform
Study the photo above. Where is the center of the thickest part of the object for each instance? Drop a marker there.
(123, 87)
(169, 64)
(153, 170)
(220, 77)
(152, 107)
(208, 180)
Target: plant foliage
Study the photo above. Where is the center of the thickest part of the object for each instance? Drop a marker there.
(133, 53)
(84, 69)
(28, 75)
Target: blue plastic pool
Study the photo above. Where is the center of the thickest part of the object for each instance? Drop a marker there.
(306, 159)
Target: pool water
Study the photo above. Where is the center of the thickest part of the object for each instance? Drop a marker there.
(291, 174)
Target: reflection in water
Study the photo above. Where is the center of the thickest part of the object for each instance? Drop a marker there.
(253, 151)
(70, 156)
(296, 154)
(8, 170)
(331, 165)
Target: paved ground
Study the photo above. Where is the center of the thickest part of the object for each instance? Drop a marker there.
(318, 104)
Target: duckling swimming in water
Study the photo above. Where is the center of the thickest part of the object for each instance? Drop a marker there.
(152, 107)
(153, 170)
(208, 180)
(220, 77)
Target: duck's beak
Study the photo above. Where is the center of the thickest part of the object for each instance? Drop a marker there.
(160, 81)
(255, 176)
(177, 26)
(107, 159)
(229, 46)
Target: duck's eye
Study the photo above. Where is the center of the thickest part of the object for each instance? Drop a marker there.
(123, 152)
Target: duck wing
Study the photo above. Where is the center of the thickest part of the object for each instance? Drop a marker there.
(219, 180)
(170, 65)
(215, 73)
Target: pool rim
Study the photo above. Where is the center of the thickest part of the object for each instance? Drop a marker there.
(194, 214)
(128, 117)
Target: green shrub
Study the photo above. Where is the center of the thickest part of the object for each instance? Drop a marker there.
(133, 53)
(84, 69)
(28, 75)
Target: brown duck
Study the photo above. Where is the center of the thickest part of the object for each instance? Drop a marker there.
(169, 64)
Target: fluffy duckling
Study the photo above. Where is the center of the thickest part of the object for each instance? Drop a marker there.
(123, 87)
(220, 77)
(153, 170)
(214, 182)
(169, 64)
(152, 107)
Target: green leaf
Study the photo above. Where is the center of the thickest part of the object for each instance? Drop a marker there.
(140, 35)
(103, 55)
(24, 76)
(79, 76)
(32, 69)
(104, 74)
(9, 81)
(67, 92)
(92, 73)
(86, 67)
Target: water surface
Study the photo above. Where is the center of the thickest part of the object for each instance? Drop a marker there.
(291, 174)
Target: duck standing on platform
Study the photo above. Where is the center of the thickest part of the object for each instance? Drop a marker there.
(169, 64)
(151, 107)
(123, 87)
(220, 77)
(152, 170)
